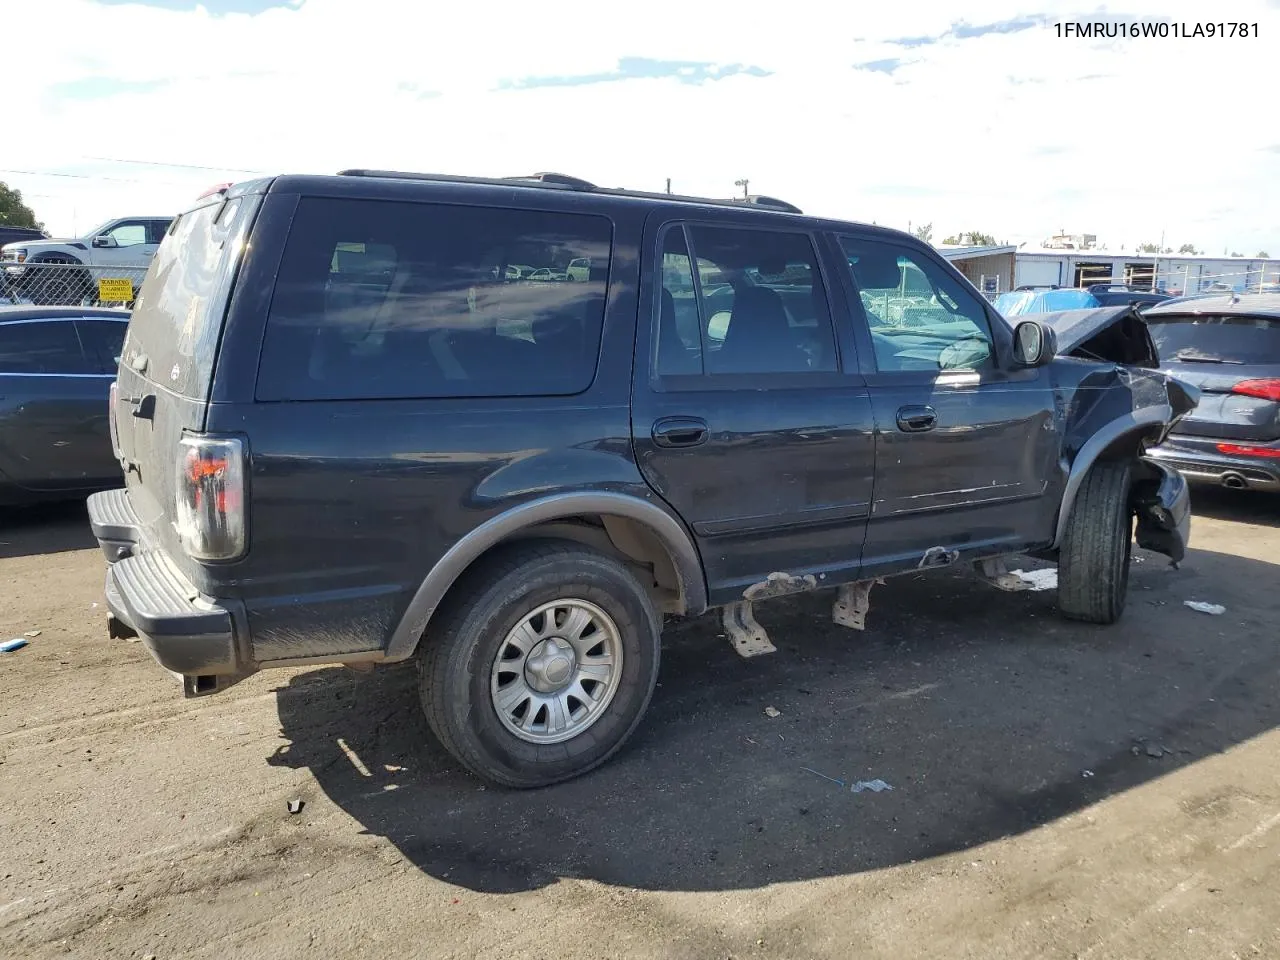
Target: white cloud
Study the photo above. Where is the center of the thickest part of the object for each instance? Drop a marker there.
(1016, 133)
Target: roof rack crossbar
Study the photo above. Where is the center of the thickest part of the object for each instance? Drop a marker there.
(560, 179)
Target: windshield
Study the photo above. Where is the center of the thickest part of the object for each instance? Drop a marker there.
(1223, 339)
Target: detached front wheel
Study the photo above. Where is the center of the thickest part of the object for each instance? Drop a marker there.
(1093, 560)
(543, 664)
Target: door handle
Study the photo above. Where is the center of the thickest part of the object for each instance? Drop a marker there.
(680, 432)
(917, 419)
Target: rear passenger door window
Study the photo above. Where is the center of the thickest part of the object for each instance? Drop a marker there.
(380, 300)
(921, 319)
(43, 347)
(742, 301)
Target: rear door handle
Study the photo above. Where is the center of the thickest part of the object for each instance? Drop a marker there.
(680, 432)
(917, 419)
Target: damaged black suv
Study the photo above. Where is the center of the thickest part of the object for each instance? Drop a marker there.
(503, 427)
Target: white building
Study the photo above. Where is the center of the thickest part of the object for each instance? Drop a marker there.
(1172, 273)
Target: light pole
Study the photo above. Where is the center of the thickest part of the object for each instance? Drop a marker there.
(743, 184)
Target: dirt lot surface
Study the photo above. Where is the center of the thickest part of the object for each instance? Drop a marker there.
(1057, 790)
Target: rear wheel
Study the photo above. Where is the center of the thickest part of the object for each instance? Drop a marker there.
(542, 665)
(1093, 562)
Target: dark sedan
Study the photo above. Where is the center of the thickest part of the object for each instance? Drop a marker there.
(1229, 347)
(56, 369)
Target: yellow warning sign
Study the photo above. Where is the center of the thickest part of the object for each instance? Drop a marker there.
(115, 289)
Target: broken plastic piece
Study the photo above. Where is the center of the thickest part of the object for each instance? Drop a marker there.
(852, 604)
(17, 643)
(772, 712)
(295, 806)
(747, 636)
(875, 786)
(1199, 606)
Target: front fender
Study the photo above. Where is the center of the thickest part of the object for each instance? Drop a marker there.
(1131, 425)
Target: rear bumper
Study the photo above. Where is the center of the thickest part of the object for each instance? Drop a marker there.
(187, 633)
(1199, 459)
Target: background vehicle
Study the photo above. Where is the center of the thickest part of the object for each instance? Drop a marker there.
(65, 272)
(1110, 294)
(56, 369)
(20, 234)
(1015, 303)
(1229, 347)
(403, 452)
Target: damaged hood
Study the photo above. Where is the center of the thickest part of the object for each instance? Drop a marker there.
(1116, 334)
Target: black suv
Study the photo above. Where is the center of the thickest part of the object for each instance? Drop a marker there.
(505, 426)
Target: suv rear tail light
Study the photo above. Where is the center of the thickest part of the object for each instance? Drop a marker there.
(1262, 389)
(113, 395)
(1244, 450)
(210, 498)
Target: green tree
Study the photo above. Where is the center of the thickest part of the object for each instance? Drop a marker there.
(972, 239)
(1148, 248)
(1236, 254)
(1262, 255)
(923, 232)
(13, 212)
(1188, 248)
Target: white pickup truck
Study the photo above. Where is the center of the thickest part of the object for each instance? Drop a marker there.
(74, 266)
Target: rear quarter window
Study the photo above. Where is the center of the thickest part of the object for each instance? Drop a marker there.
(41, 347)
(1228, 337)
(384, 300)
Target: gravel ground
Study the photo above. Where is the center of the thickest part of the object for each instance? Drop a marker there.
(1057, 790)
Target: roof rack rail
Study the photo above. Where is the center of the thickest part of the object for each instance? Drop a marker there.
(563, 181)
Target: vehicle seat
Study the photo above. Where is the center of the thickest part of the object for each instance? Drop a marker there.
(759, 338)
(674, 355)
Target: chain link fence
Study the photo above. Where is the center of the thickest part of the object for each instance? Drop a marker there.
(68, 284)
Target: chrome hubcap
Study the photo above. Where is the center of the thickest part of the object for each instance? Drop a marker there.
(557, 671)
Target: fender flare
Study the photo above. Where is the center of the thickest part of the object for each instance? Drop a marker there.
(1139, 421)
(444, 574)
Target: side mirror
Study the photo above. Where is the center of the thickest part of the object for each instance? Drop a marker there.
(105, 242)
(1034, 344)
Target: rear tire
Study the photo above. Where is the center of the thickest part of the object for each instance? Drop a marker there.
(1093, 562)
(526, 701)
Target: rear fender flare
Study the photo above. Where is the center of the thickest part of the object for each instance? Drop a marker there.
(1137, 422)
(462, 554)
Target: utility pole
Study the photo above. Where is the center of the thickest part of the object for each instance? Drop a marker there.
(743, 184)
(668, 185)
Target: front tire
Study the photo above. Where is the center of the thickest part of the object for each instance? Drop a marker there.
(1093, 561)
(542, 664)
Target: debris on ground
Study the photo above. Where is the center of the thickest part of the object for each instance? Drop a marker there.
(1046, 579)
(1086, 774)
(295, 806)
(875, 786)
(1213, 609)
(772, 712)
(17, 643)
(1155, 751)
(32, 634)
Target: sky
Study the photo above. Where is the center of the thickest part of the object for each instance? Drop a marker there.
(973, 116)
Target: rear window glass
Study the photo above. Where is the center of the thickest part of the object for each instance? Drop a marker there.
(178, 317)
(380, 300)
(1230, 338)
